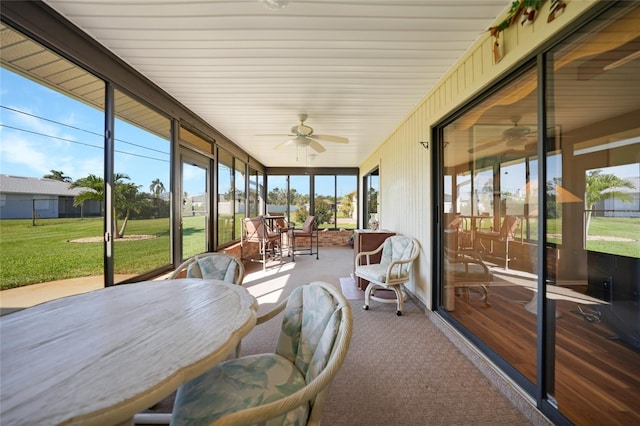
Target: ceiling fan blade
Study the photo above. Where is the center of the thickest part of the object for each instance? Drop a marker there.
(317, 147)
(487, 143)
(330, 138)
(283, 144)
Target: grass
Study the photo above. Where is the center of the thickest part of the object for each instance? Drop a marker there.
(615, 228)
(33, 254)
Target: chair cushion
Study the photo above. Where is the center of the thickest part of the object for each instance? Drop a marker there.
(469, 273)
(193, 270)
(308, 334)
(397, 248)
(376, 272)
(218, 268)
(237, 384)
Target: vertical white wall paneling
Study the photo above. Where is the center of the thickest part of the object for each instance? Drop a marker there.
(406, 198)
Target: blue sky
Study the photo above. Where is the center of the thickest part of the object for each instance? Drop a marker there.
(43, 130)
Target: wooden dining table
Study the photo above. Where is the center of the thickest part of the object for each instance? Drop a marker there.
(103, 356)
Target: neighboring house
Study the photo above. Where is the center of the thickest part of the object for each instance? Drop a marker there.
(615, 207)
(27, 198)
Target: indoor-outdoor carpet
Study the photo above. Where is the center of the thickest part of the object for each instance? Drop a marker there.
(350, 290)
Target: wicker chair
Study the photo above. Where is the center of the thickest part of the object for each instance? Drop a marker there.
(398, 254)
(285, 387)
(215, 265)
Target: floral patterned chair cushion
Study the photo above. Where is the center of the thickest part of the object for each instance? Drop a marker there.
(311, 322)
(240, 383)
(213, 266)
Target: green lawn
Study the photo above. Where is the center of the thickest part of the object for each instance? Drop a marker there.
(615, 235)
(32, 254)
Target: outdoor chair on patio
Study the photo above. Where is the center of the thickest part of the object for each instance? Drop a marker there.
(269, 242)
(398, 254)
(288, 386)
(310, 231)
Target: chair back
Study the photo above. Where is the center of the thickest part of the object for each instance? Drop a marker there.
(399, 247)
(508, 228)
(316, 331)
(281, 224)
(216, 265)
(254, 229)
(308, 225)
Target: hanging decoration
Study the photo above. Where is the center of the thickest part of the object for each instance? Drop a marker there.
(556, 9)
(528, 9)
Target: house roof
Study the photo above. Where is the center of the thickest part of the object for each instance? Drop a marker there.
(28, 185)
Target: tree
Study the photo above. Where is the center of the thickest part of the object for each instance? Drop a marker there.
(323, 210)
(599, 186)
(127, 199)
(94, 191)
(345, 208)
(157, 187)
(125, 194)
(57, 175)
(277, 197)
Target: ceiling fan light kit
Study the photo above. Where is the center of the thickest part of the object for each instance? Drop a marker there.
(304, 137)
(274, 4)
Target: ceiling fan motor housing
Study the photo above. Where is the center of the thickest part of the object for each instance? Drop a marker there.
(301, 130)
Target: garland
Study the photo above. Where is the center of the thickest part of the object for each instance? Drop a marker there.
(530, 9)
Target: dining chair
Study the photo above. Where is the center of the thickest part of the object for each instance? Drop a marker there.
(288, 386)
(496, 243)
(213, 265)
(393, 271)
(465, 272)
(310, 231)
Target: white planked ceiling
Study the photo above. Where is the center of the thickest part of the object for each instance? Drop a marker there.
(356, 67)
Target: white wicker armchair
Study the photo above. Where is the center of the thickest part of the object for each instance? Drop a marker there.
(398, 254)
(213, 265)
(285, 387)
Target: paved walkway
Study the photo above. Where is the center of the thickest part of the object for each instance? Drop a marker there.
(34, 294)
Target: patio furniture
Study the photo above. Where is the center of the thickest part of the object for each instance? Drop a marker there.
(310, 231)
(288, 386)
(464, 272)
(256, 231)
(398, 254)
(215, 265)
(102, 357)
(496, 244)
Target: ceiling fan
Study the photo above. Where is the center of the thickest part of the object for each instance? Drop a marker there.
(303, 137)
(516, 138)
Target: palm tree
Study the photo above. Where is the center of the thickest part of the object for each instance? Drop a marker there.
(125, 194)
(57, 175)
(156, 187)
(600, 186)
(94, 189)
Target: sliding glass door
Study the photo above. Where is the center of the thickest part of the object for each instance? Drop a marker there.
(540, 224)
(196, 175)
